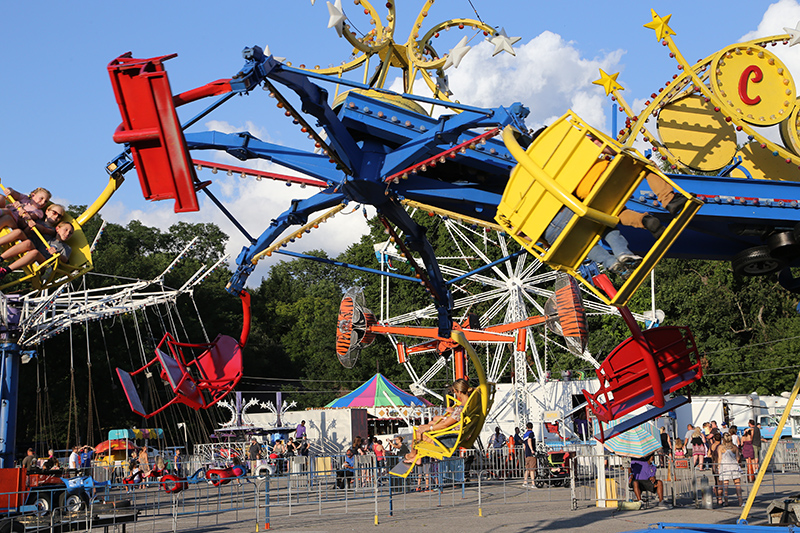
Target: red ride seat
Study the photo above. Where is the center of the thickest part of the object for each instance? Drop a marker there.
(201, 382)
(626, 382)
(151, 128)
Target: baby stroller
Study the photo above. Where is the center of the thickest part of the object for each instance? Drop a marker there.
(552, 468)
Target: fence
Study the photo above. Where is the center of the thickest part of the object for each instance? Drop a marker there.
(303, 487)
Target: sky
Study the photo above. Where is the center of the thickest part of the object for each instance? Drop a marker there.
(58, 111)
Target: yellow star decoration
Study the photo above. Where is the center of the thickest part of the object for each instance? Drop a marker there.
(609, 82)
(660, 25)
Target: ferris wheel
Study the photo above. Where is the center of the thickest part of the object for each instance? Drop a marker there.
(491, 277)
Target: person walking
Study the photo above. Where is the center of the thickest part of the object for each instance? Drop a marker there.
(529, 451)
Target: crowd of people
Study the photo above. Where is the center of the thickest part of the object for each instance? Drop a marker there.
(702, 446)
(725, 451)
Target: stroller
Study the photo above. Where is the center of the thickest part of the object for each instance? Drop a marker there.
(552, 468)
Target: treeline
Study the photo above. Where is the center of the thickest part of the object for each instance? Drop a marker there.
(747, 330)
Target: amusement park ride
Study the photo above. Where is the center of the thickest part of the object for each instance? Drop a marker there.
(381, 148)
(483, 168)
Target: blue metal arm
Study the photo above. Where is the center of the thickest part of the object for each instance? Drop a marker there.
(297, 214)
(448, 131)
(315, 100)
(244, 146)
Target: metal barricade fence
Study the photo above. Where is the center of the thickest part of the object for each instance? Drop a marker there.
(317, 485)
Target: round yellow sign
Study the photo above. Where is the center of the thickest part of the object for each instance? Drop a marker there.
(753, 85)
(696, 134)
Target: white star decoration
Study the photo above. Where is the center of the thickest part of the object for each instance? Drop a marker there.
(337, 17)
(795, 33)
(456, 54)
(503, 43)
(312, 2)
(276, 58)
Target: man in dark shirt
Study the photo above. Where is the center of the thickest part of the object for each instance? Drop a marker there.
(253, 453)
(529, 447)
(86, 459)
(400, 448)
(643, 477)
(756, 439)
(30, 460)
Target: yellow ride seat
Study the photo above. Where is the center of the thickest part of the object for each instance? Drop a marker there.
(564, 167)
(466, 431)
(52, 272)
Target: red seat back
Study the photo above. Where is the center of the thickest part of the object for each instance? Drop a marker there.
(179, 380)
(625, 381)
(150, 126)
(220, 366)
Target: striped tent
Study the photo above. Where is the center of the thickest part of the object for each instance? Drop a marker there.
(374, 393)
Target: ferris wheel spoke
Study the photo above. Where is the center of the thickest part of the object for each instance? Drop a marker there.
(474, 247)
(540, 372)
(478, 298)
(533, 302)
(534, 266)
(451, 231)
(475, 278)
(493, 362)
(494, 310)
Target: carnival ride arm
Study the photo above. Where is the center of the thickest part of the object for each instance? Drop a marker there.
(447, 132)
(244, 146)
(297, 214)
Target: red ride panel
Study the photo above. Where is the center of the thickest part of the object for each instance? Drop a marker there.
(150, 126)
(626, 383)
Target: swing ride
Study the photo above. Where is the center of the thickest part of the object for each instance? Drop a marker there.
(198, 383)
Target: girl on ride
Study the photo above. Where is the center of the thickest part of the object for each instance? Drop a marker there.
(27, 207)
(47, 226)
(461, 390)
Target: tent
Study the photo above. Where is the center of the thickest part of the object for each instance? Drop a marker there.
(374, 393)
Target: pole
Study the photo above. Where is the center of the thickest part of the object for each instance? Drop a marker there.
(9, 380)
(773, 443)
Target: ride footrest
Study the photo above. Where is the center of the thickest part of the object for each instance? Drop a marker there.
(638, 420)
(131, 393)
(402, 469)
(651, 259)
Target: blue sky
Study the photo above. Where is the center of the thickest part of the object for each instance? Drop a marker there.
(59, 112)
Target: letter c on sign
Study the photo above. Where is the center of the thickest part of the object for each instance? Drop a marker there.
(744, 79)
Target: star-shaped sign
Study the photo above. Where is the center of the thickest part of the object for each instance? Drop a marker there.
(276, 58)
(337, 17)
(609, 82)
(502, 43)
(457, 54)
(660, 25)
(795, 33)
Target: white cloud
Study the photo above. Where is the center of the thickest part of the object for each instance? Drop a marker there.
(254, 204)
(549, 75)
(784, 13)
